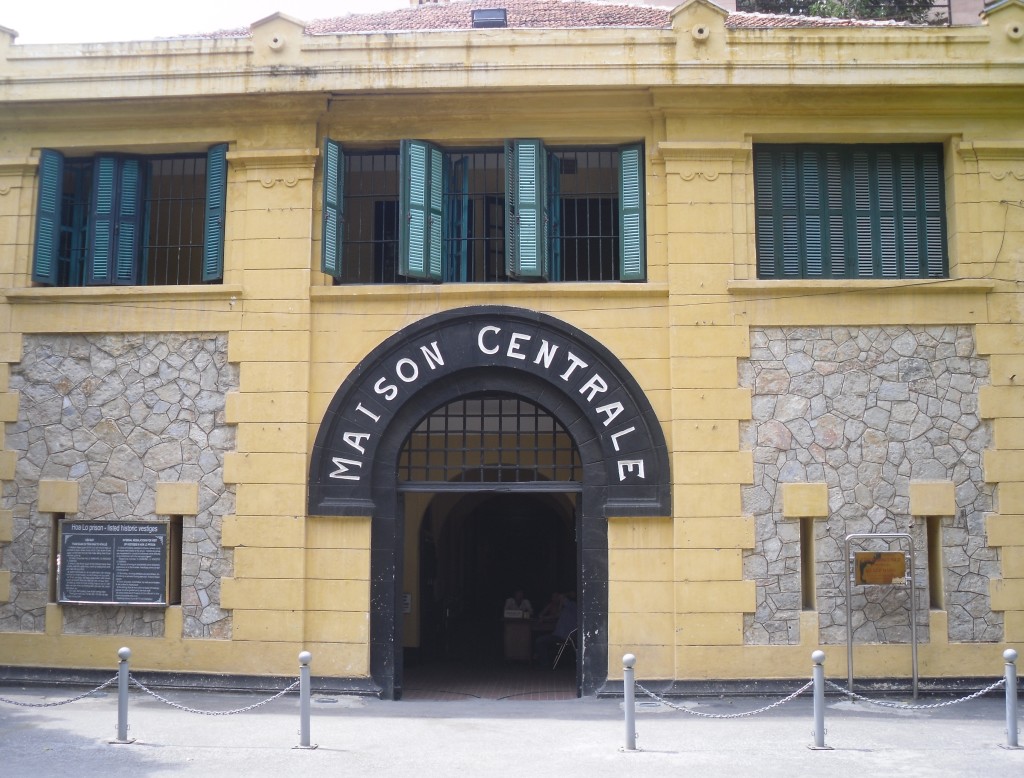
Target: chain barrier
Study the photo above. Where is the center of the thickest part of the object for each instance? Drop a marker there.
(906, 706)
(187, 709)
(59, 702)
(681, 709)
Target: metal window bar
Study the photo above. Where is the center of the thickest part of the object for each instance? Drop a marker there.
(474, 191)
(489, 438)
(589, 223)
(74, 222)
(370, 231)
(175, 212)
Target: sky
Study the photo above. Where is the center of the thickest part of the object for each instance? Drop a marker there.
(99, 21)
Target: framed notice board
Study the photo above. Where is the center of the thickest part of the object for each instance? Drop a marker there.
(112, 563)
(880, 568)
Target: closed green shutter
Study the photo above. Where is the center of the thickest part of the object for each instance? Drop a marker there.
(765, 212)
(216, 200)
(333, 209)
(420, 210)
(632, 230)
(116, 221)
(48, 214)
(856, 211)
(526, 216)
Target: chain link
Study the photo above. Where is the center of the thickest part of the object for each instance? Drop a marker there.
(59, 702)
(187, 709)
(905, 706)
(776, 704)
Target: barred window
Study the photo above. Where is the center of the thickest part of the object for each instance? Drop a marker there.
(521, 212)
(118, 219)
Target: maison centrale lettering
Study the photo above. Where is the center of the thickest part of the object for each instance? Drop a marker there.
(561, 362)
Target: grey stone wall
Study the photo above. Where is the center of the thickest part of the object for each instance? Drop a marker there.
(866, 410)
(117, 414)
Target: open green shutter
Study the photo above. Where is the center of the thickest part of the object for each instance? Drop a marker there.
(102, 227)
(420, 210)
(632, 229)
(526, 216)
(333, 208)
(51, 179)
(435, 203)
(129, 223)
(216, 199)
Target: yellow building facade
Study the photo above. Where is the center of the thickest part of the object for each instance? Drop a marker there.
(772, 299)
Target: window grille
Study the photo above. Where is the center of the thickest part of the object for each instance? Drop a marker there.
(371, 218)
(585, 235)
(583, 206)
(119, 219)
(489, 438)
(175, 210)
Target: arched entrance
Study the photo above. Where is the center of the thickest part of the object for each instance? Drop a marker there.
(477, 545)
(489, 352)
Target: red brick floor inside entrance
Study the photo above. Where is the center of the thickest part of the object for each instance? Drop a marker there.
(453, 680)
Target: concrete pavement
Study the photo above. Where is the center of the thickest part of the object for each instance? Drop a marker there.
(363, 736)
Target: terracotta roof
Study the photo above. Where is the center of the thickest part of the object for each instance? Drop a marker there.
(556, 14)
(745, 20)
(540, 14)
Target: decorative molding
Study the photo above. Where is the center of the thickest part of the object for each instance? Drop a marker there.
(689, 176)
(268, 182)
(1018, 174)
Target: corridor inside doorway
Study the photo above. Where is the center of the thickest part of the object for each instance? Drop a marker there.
(472, 552)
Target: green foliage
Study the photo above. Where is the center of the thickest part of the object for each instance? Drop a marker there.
(913, 11)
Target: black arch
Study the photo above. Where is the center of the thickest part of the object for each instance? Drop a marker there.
(468, 371)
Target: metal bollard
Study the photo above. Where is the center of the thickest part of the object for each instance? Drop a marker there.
(818, 657)
(1011, 698)
(304, 659)
(629, 700)
(122, 698)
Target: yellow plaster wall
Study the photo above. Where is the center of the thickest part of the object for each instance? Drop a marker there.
(677, 596)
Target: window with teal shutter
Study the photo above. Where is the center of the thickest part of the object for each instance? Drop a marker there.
(420, 210)
(125, 220)
(333, 209)
(48, 212)
(216, 203)
(483, 215)
(849, 211)
(632, 231)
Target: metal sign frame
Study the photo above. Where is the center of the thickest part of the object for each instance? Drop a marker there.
(900, 536)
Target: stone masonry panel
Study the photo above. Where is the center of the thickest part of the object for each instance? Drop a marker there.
(867, 410)
(117, 414)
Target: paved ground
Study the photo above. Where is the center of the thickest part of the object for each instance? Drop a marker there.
(360, 736)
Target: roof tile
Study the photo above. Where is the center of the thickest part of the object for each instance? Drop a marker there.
(542, 14)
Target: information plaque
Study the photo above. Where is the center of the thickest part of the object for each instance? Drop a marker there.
(113, 563)
(880, 568)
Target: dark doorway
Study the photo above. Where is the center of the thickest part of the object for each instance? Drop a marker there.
(475, 551)
(478, 554)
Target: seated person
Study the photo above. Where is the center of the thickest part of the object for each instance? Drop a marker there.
(518, 602)
(549, 615)
(544, 646)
